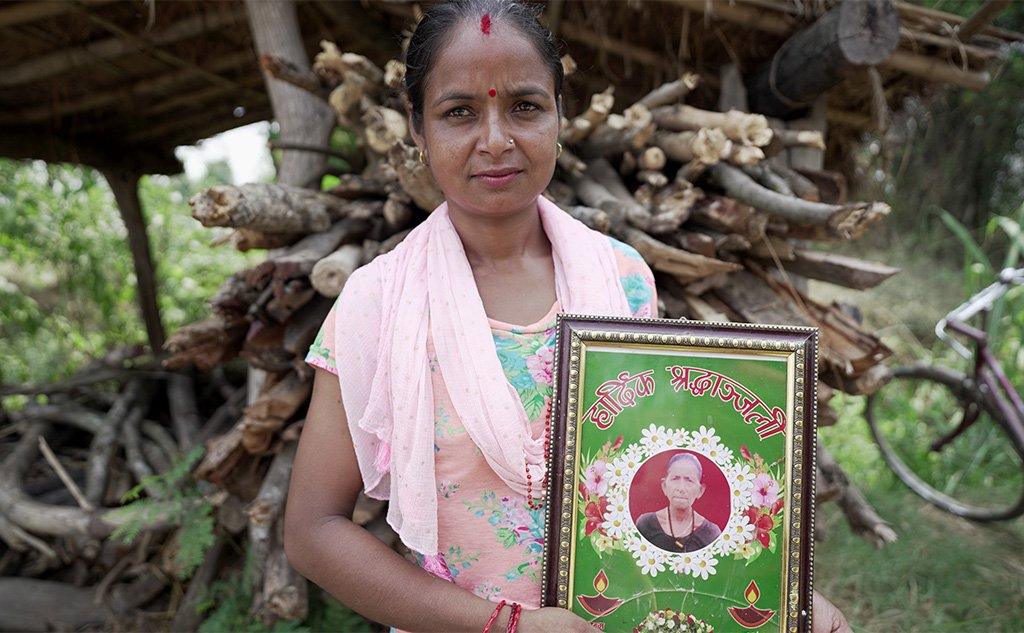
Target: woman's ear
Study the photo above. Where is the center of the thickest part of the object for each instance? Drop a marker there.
(416, 136)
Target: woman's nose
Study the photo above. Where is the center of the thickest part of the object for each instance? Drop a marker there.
(496, 137)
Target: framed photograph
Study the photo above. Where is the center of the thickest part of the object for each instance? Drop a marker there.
(682, 471)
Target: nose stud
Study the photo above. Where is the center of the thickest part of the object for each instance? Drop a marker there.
(511, 141)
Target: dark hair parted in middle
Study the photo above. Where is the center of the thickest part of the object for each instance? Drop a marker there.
(434, 31)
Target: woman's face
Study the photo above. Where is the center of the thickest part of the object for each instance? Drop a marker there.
(682, 484)
(483, 90)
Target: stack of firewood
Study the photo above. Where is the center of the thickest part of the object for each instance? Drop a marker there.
(702, 195)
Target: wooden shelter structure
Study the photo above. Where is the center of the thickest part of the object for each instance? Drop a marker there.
(117, 85)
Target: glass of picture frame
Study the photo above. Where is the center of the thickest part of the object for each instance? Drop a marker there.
(682, 464)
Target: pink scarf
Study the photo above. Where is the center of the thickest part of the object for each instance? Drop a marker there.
(382, 327)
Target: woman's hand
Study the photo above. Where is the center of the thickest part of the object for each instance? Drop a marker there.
(553, 619)
(828, 618)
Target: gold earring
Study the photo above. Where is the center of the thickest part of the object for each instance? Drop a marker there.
(423, 157)
(559, 147)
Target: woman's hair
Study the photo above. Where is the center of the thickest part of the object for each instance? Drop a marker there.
(686, 457)
(435, 29)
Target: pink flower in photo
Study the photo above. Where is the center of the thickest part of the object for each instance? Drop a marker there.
(766, 490)
(594, 478)
(541, 365)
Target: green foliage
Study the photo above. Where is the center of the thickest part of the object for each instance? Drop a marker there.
(960, 152)
(228, 604)
(67, 282)
(180, 501)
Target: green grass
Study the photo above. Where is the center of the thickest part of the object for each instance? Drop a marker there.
(943, 574)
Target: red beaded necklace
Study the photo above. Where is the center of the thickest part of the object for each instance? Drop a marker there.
(539, 503)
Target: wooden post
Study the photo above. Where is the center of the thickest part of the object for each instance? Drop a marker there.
(304, 119)
(125, 186)
(853, 34)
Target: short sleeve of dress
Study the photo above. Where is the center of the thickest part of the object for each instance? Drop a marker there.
(359, 297)
(637, 280)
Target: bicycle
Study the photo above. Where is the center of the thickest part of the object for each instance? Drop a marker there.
(957, 440)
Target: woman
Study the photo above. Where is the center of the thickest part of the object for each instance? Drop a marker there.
(444, 347)
(678, 527)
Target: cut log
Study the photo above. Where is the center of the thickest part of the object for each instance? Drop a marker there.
(840, 270)
(861, 516)
(707, 145)
(594, 218)
(729, 216)
(330, 273)
(619, 133)
(298, 76)
(205, 344)
(265, 511)
(699, 243)
(299, 259)
(383, 128)
(271, 410)
(600, 107)
(248, 239)
(356, 186)
(595, 195)
(681, 264)
(671, 92)
(272, 208)
(741, 127)
(851, 36)
(843, 221)
(398, 211)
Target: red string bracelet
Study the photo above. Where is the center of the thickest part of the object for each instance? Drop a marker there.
(513, 619)
(494, 616)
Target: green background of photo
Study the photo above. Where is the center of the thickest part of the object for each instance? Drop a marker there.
(707, 599)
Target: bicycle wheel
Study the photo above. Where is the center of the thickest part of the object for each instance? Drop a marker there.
(976, 473)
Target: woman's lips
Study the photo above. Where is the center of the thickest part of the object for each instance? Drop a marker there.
(500, 179)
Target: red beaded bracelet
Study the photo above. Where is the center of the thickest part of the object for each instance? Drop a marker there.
(494, 616)
(513, 619)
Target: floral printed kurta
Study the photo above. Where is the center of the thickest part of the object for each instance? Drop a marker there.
(489, 539)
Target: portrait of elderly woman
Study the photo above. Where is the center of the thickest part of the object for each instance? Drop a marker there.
(678, 526)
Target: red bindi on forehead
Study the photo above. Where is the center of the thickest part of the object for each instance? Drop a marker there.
(485, 24)
(492, 93)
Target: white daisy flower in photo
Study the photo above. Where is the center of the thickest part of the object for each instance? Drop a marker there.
(680, 438)
(618, 474)
(650, 565)
(742, 529)
(654, 438)
(683, 563)
(615, 526)
(704, 565)
(740, 497)
(718, 453)
(726, 542)
(704, 438)
(740, 476)
(642, 550)
(632, 457)
(618, 507)
(631, 540)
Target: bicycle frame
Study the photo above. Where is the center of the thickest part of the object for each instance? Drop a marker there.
(989, 377)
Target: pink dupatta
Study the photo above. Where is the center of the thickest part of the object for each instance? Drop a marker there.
(425, 287)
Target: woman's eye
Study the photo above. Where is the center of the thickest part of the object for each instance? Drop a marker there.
(526, 106)
(458, 112)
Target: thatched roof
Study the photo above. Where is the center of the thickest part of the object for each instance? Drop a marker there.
(122, 83)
